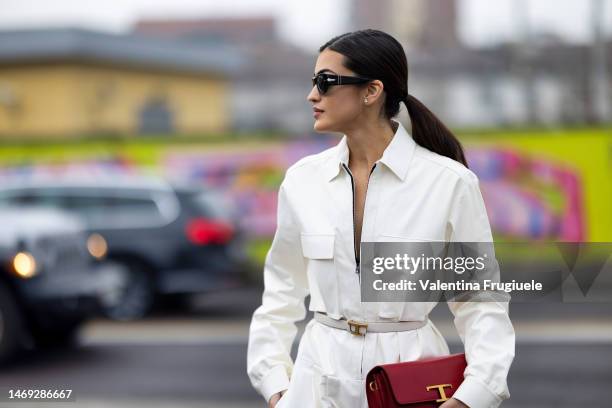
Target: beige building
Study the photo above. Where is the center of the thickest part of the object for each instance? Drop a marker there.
(269, 92)
(73, 83)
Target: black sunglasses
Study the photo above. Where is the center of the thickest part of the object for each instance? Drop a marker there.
(324, 81)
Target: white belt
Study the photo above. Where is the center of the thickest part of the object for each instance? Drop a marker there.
(360, 328)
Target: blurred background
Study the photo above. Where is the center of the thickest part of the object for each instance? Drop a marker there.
(142, 144)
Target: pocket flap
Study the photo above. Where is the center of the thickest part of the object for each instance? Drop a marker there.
(318, 246)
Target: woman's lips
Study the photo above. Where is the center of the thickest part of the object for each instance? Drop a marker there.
(316, 114)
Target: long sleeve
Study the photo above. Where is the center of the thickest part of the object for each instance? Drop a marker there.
(484, 327)
(273, 329)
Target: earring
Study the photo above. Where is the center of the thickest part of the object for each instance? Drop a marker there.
(366, 100)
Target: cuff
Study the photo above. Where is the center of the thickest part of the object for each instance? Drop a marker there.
(276, 380)
(475, 394)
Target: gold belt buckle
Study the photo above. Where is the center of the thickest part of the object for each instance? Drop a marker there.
(355, 327)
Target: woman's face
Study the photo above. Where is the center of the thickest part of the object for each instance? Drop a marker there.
(342, 104)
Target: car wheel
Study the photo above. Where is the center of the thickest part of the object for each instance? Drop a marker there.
(135, 297)
(11, 325)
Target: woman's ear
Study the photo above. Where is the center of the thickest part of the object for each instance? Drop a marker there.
(375, 90)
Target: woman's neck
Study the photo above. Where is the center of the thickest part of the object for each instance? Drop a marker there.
(368, 143)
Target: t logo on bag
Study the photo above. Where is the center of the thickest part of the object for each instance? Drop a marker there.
(440, 388)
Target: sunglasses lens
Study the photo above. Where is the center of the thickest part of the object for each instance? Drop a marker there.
(322, 83)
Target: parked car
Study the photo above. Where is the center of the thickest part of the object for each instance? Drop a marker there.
(173, 240)
(49, 281)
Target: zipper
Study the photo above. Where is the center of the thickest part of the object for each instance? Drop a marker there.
(353, 201)
(357, 266)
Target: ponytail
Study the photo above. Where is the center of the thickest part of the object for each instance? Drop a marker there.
(429, 132)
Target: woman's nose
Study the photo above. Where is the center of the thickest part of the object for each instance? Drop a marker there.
(313, 96)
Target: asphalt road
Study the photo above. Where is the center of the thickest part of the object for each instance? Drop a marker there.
(197, 359)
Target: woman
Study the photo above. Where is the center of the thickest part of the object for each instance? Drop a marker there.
(418, 187)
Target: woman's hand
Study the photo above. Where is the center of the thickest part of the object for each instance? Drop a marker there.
(274, 399)
(453, 403)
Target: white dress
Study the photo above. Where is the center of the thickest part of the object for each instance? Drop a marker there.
(413, 194)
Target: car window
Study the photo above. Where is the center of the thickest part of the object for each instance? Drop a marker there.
(98, 209)
(101, 211)
(29, 198)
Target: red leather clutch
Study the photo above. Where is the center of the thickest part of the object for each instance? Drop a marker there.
(415, 384)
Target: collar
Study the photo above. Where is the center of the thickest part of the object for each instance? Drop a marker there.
(396, 157)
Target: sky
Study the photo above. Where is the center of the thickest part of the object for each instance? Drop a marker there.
(308, 24)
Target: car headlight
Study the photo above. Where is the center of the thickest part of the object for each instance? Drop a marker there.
(97, 246)
(24, 265)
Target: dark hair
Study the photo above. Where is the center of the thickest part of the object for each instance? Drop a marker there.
(376, 54)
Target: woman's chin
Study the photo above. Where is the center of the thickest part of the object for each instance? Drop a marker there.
(319, 126)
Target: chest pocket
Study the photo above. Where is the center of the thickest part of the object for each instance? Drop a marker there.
(318, 249)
